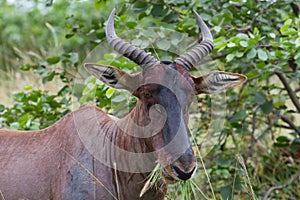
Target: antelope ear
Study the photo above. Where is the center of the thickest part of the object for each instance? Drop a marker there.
(111, 76)
(217, 81)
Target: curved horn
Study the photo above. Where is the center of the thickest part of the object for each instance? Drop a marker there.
(130, 51)
(193, 57)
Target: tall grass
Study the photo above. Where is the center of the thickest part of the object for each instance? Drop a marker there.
(248, 184)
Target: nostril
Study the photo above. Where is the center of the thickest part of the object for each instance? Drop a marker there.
(183, 175)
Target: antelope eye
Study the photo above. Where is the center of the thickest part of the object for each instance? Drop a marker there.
(147, 95)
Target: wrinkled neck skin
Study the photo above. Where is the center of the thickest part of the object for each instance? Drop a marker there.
(137, 137)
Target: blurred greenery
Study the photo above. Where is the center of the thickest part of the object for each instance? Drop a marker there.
(260, 39)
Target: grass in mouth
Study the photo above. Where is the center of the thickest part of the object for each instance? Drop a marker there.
(185, 190)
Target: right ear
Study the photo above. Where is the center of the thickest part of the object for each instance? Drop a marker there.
(217, 81)
(113, 77)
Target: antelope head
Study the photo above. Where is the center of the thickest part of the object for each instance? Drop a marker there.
(166, 89)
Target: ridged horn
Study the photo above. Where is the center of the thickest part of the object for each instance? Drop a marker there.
(130, 51)
(194, 56)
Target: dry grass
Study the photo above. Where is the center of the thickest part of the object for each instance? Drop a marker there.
(1, 194)
(154, 176)
(248, 184)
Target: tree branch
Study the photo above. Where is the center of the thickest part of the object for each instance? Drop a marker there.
(287, 86)
(280, 187)
(283, 126)
(291, 124)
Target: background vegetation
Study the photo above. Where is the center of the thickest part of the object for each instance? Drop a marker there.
(255, 155)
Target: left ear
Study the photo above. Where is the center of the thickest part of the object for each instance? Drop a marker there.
(217, 81)
(113, 77)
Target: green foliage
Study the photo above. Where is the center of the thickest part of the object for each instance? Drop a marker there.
(35, 109)
(257, 38)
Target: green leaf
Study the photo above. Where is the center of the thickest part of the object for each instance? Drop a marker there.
(238, 116)
(252, 74)
(272, 35)
(261, 65)
(295, 146)
(259, 97)
(221, 46)
(157, 11)
(244, 43)
(49, 77)
(262, 55)
(285, 26)
(229, 57)
(242, 36)
(226, 192)
(288, 22)
(256, 31)
(118, 98)
(297, 42)
(27, 88)
(171, 17)
(238, 185)
(239, 54)
(34, 95)
(14, 126)
(290, 31)
(25, 67)
(69, 35)
(252, 42)
(98, 4)
(228, 16)
(19, 96)
(23, 120)
(231, 44)
(109, 92)
(217, 28)
(251, 54)
(267, 107)
(34, 127)
(131, 24)
(140, 6)
(53, 60)
(279, 101)
(73, 57)
(136, 42)
(163, 44)
(175, 38)
(282, 139)
(2, 108)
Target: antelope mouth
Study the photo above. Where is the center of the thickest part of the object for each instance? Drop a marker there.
(173, 174)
